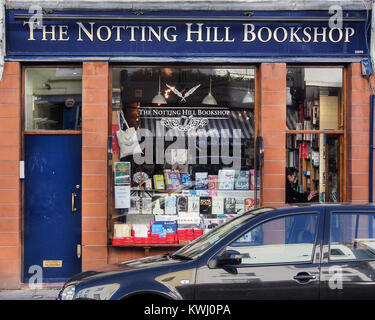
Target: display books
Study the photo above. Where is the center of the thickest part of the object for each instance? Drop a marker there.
(229, 205)
(240, 205)
(226, 179)
(252, 179)
(173, 180)
(122, 230)
(186, 180)
(249, 204)
(159, 182)
(146, 205)
(212, 182)
(161, 228)
(170, 205)
(304, 150)
(157, 208)
(217, 205)
(182, 203)
(193, 204)
(201, 180)
(299, 126)
(205, 205)
(315, 158)
(135, 205)
(242, 181)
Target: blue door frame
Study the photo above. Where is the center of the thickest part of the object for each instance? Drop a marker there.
(52, 206)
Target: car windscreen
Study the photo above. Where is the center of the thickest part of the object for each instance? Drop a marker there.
(205, 242)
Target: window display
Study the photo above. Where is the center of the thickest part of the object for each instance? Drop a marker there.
(188, 137)
(53, 99)
(315, 133)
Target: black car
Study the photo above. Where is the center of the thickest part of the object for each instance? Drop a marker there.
(299, 252)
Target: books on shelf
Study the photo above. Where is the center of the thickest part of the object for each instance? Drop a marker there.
(182, 203)
(242, 180)
(159, 182)
(170, 205)
(252, 179)
(230, 205)
(205, 205)
(146, 205)
(226, 179)
(157, 208)
(201, 180)
(217, 205)
(212, 182)
(193, 204)
(135, 205)
(186, 180)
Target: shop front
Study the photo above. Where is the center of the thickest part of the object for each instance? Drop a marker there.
(127, 135)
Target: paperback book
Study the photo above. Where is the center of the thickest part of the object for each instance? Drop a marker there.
(201, 180)
(159, 182)
(170, 205)
(242, 181)
(205, 205)
(230, 205)
(226, 179)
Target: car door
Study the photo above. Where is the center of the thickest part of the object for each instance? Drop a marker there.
(348, 261)
(280, 260)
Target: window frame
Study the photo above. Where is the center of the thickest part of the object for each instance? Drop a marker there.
(342, 133)
(331, 213)
(23, 96)
(315, 243)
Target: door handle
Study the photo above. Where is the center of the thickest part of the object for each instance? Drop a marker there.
(304, 277)
(73, 202)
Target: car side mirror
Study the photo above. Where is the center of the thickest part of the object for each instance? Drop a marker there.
(229, 257)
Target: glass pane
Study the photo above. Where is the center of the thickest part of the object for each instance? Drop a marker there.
(287, 239)
(352, 236)
(195, 128)
(314, 98)
(313, 168)
(53, 98)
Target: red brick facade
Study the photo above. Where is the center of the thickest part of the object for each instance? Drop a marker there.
(95, 251)
(10, 195)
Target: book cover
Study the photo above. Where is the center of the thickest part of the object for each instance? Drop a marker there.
(217, 205)
(252, 179)
(167, 181)
(205, 205)
(249, 204)
(212, 182)
(226, 179)
(186, 180)
(304, 150)
(230, 205)
(159, 182)
(193, 204)
(157, 208)
(170, 205)
(182, 203)
(240, 205)
(135, 205)
(173, 180)
(242, 181)
(146, 205)
(201, 180)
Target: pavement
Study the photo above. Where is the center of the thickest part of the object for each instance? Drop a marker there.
(48, 291)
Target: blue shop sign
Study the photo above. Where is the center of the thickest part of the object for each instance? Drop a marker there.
(186, 34)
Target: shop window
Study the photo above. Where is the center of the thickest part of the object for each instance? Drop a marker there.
(53, 99)
(315, 135)
(191, 165)
(352, 236)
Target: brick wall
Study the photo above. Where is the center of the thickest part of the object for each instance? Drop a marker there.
(272, 113)
(10, 235)
(94, 163)
(358, 101)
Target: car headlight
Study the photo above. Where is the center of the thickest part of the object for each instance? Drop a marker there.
(102, 292)
(68, 293)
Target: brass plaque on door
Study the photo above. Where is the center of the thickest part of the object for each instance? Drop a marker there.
(52, 263)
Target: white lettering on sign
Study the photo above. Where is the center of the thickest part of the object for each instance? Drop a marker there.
(194, 32)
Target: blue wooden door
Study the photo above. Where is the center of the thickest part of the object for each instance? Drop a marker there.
(52, 206)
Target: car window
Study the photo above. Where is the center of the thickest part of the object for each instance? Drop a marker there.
(352, 236)
(282, 240)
